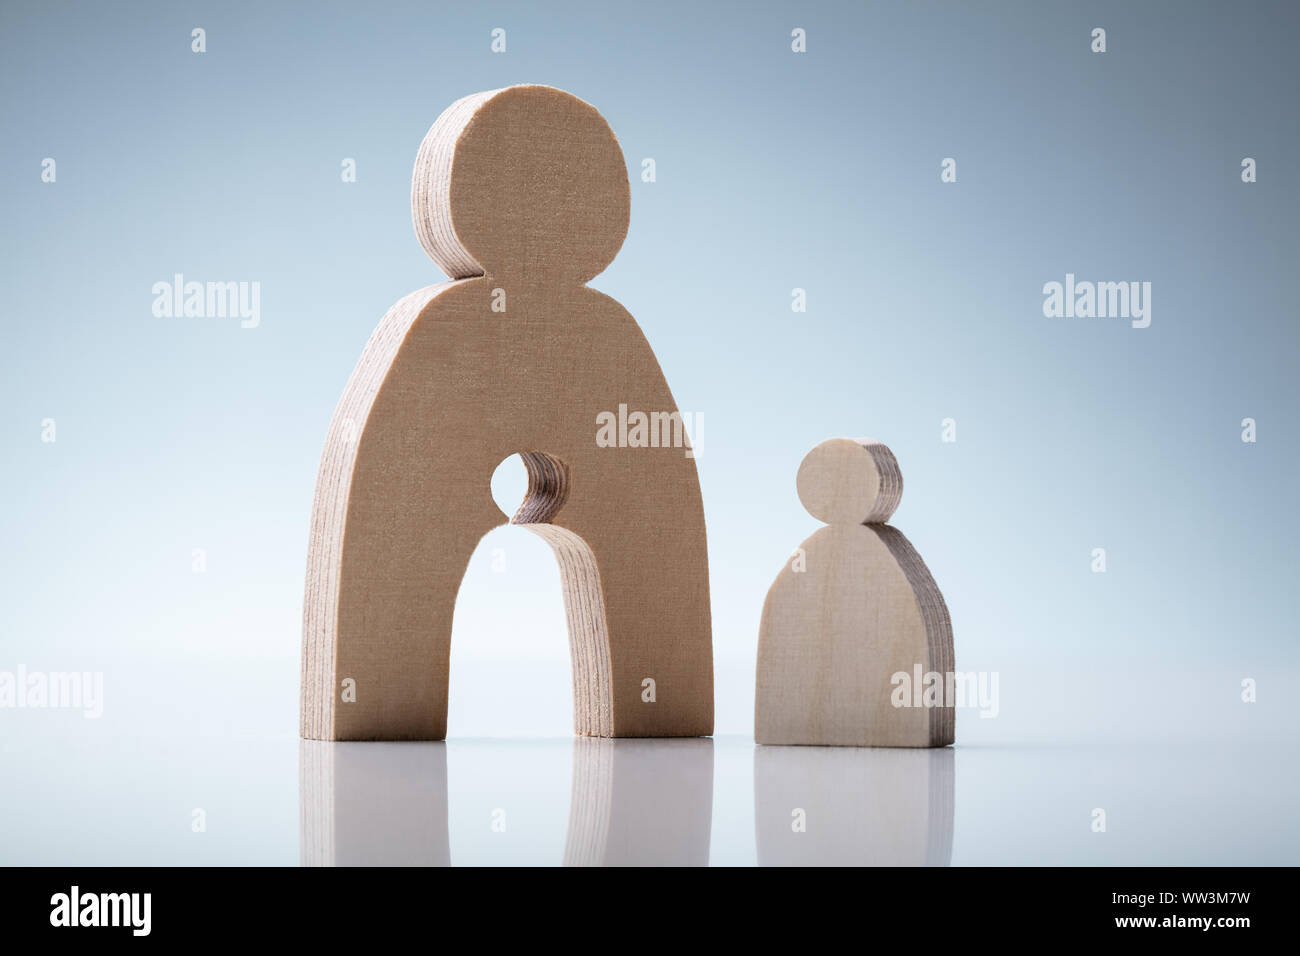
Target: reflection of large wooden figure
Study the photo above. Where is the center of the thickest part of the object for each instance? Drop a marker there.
(521, 196)
(855, 608)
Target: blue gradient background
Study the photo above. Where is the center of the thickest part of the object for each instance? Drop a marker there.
(775, 171)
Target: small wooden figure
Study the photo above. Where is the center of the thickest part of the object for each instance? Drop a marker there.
(521, 196)
(855, 644)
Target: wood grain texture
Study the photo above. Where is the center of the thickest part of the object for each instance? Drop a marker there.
(854, 608)
(521, 195)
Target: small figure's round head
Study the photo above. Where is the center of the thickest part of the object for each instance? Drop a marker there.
(528, 181)
(850, 481)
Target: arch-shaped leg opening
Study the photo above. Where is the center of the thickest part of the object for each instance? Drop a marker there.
(584, 602)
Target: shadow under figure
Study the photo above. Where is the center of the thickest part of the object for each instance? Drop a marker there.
(521, 196)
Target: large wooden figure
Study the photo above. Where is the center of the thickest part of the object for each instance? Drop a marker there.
(855, 644)
(521, 196)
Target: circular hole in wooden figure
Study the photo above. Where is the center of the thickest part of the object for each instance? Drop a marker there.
(510, 485)
(541, 491)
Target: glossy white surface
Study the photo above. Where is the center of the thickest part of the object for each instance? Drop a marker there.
(558, 801)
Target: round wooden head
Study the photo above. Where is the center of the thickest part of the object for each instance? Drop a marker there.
(850, 481)
(527, 182)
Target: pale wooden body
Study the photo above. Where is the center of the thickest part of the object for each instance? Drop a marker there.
(833, 635)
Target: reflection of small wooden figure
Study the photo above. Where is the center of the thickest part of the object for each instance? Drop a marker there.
(852, 612)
